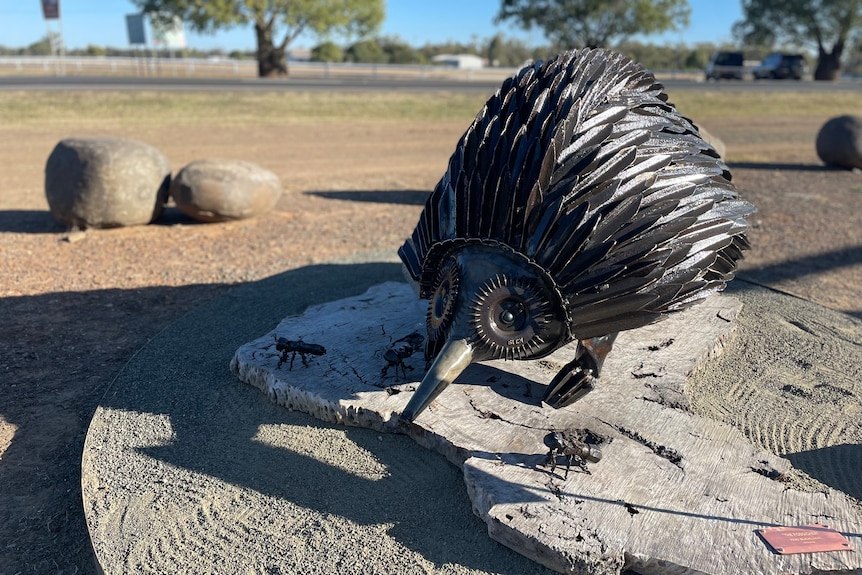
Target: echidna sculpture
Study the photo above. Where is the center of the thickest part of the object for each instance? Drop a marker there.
(579, 203)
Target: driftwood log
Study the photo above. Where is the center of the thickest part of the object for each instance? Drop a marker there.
(673, 493)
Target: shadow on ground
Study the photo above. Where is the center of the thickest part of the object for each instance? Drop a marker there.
(181, 367)
(774, 274)
(29, 222)
(821, 465)
(42, 222)
(406, 197)
(57, 362)
(792, 167)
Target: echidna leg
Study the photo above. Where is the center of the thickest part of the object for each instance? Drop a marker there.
(579, 376)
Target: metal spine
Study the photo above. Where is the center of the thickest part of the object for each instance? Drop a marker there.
(582, 167)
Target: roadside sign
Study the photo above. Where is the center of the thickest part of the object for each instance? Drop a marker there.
(51, 9)
(168, 34)
(135, 28)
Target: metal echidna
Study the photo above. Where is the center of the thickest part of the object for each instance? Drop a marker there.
(578, 204)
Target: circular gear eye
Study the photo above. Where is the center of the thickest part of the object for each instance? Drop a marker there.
(512, 318)
(442, 305)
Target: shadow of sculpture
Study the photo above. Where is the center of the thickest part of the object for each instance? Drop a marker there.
(215, 420)
(837, 466)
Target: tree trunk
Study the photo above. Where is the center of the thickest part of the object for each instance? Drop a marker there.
(829, 64)
(271, 60)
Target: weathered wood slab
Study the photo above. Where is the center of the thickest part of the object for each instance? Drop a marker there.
(673, 493)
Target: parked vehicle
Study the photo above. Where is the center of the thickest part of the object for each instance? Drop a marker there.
(725, 65)
(778, 66)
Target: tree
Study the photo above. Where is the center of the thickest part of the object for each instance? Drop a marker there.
(400, 52)
(44, 47)
(698, 57)
(366, 52)
(508, 53)
(595, 23)
(827, 24)
(854, 64)
(327, 52)
(277, 23)
(93, 50)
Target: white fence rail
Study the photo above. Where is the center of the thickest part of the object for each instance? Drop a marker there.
(227, 67)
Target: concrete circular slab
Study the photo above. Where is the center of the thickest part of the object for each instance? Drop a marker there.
(175, 482)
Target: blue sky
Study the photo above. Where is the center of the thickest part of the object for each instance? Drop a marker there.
(102, 23)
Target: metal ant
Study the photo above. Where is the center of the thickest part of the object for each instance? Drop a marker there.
(573, 447)
(399, 351)
(293, 347)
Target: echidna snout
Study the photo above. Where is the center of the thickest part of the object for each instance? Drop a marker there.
(487, 303)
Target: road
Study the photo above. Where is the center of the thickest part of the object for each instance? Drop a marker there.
(365, 83)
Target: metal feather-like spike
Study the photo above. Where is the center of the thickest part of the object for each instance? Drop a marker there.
(579, 203)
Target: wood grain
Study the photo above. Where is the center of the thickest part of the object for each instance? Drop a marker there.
(673, 493)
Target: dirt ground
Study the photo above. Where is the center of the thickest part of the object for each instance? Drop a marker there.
(76, 307)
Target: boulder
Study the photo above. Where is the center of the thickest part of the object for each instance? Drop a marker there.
(105, 182)
(839, 142)
(223, 190)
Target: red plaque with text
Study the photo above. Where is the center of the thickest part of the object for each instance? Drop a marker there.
(814, 538)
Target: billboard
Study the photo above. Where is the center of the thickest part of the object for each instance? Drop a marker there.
(51, 9)
(135, 29)
(168, 34)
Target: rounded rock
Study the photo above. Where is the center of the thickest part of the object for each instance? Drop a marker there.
(839, 142)
(102, 182)
(224, 190)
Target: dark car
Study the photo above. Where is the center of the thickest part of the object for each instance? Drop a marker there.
(725, 65)
(779, 66)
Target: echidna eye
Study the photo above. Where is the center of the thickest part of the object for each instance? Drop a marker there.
(513, 315)
(510, 316)
(441, 309)
(441, 300)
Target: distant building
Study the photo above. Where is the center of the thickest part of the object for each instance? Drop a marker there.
(460, 61)
(299, 54)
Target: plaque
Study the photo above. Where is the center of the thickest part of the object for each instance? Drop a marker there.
(814, 538)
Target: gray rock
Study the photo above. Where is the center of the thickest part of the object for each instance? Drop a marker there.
(223, 190)
(839, 142)
(106, 182)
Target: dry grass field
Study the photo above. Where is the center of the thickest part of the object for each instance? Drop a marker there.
(355, 169)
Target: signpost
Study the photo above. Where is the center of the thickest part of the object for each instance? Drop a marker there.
(135, 29)
(51, 11)
(168, 34)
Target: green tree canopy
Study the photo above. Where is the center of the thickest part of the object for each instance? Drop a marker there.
(510, 53)
(596, 23)
(827, 24)
(400, 52)
(327, 52)
(366, 52)
(43, 47)
(276, 22)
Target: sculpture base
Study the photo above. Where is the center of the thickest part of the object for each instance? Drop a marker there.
(673, 493)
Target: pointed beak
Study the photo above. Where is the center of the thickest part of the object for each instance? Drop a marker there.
(454, 358)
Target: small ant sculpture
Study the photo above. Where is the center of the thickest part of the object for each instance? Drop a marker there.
(293, 347)
(399, 351)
